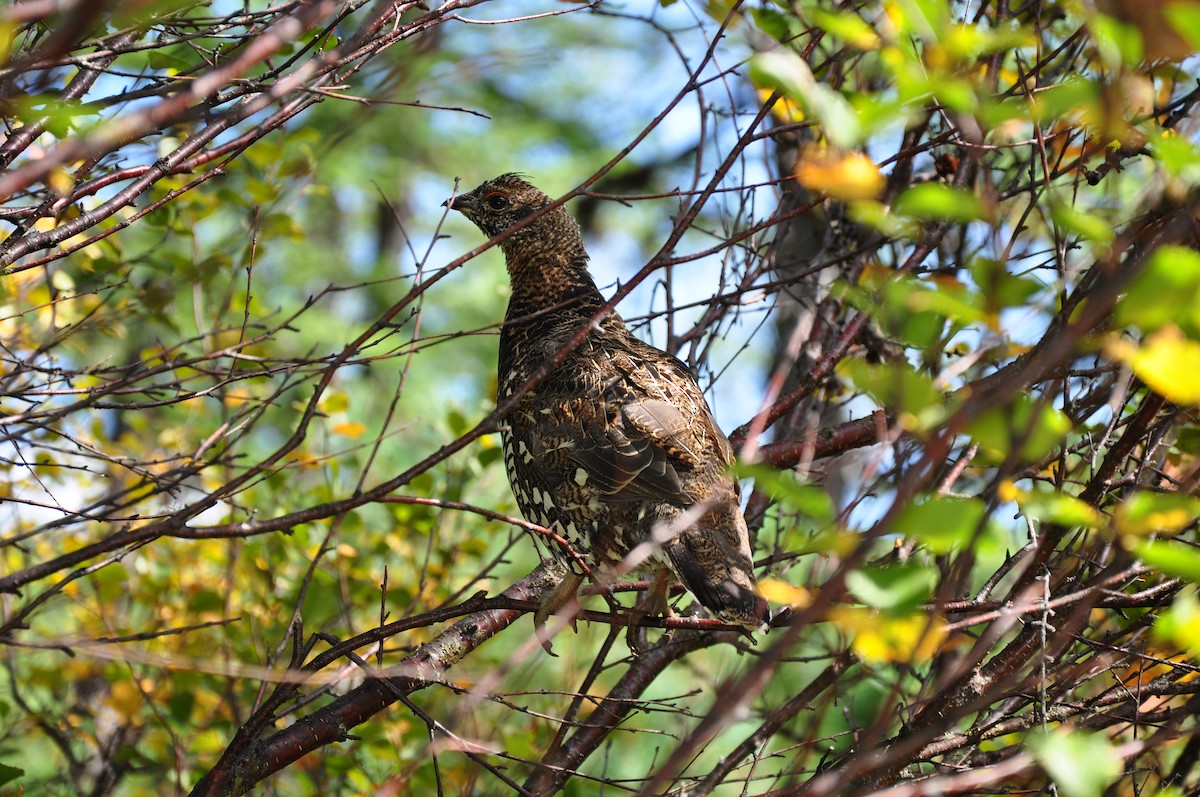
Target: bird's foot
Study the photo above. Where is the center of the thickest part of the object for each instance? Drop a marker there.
(652, 604)
(559, 597)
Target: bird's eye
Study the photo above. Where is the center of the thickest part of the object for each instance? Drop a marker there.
(496, 201)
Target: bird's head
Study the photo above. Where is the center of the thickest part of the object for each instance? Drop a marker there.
(499, 203)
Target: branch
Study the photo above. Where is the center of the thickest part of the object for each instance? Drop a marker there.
(243, 766)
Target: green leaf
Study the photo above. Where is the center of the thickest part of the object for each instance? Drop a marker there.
(1178, 155)
(1167, 291)
(901, 389)
(1055, 507)
(1156, 513)
(489, 455)
(880, 217)
(781, 486)
(896, 588)
(1171, 558)
(779, 26)
(1040, 429)
(956, 95)
(1087, 226)
(785, 70)
(1185, 19)
(942, 523)
(458, 423)
(968, 43)
(1081, 763)
(1001, 289)
(205, 600)
(1118, 43)
(1179, 626)
(938, 201)
(1072, 96)
(8, 774)
(168, 58)
(948, 298)
(994, 112)
(281, 225)
(180, 705)
(847, 26)
(261, 192)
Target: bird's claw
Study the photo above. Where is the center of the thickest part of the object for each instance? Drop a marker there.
(539, 629)
(653, 604)
(559, 597)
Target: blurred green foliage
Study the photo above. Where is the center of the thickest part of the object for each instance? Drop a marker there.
(219, 313)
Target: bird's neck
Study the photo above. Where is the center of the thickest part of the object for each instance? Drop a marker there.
(552, 286)
(551, 301)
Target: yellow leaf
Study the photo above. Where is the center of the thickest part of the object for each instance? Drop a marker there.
(845, 176)
(335, 401)
(785, 109)
(1167, 361)
(1007, 491)
(346, 550)
(60, 182)
(126, 699)
(349, 429)
(883, 639)
(777, 591)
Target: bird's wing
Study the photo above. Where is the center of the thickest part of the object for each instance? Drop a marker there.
(626, 464)
(657, 428)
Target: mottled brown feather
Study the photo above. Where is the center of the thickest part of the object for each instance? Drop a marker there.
(617, 444)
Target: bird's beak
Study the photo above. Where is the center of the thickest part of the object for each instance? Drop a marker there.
(456, 202)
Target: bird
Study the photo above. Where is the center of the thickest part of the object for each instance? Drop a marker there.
(615, 449)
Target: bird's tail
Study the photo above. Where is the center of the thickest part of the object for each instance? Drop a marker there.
(717, 569)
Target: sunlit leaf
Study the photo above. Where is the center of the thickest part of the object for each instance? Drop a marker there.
(894, 588)
(1049, 506)
(880, 217)
(1184, 17)
(900, 388)
(781, 592)
(1179, 625)
(1082, 764)
(1037, 427)
(942, 523)
(785, 109)
(886, 639)
(1088, 226)
(849, 27)
(946, 297)
(335, 401)
(1170, 557)
(1075, 95)
(849, 176)
(1148, 512)
(785, 70)
(808, 499)
(1167, 362)
(1167, 291)
(937, 201)
(1118, 43)
(349, 429)
(1177, 154)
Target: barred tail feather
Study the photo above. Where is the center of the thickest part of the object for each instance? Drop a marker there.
(724, 587)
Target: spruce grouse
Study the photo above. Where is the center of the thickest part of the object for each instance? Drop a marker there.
(616, 446)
